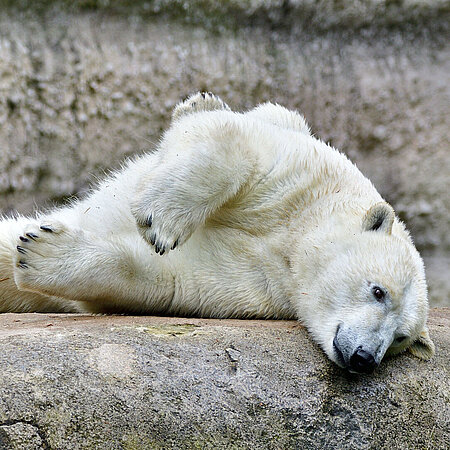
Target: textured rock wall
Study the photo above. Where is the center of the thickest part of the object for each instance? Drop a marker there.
(85, 84)
(72, 382)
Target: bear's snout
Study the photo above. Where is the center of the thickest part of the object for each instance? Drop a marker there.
(356, 360)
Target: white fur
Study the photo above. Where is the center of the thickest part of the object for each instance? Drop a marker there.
(268, 223)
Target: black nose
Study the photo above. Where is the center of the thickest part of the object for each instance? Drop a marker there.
(362, 361)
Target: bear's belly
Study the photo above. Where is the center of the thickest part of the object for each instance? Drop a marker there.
(226, 272)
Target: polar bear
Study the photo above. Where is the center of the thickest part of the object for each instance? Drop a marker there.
(238, 215)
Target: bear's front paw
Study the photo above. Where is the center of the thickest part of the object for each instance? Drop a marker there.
(161, 229)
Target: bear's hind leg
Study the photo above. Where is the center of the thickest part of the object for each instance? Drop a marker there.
(280, 116)
(118, 275)
(11, 299)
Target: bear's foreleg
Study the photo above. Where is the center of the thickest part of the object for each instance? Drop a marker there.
(203, 164)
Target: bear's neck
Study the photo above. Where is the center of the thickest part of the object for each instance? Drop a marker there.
(317, 237)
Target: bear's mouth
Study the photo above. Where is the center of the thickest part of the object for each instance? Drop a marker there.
(337, 350)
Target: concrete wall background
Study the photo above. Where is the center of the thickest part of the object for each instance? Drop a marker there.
(85, 84)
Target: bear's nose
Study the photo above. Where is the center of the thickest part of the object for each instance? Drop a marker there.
(362, 361)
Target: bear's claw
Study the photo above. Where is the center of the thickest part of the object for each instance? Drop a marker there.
(157, 236)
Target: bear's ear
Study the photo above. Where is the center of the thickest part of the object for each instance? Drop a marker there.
(380, 217)
(423, 346)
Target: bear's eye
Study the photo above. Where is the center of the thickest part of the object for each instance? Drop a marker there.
(400, 339)
(378, 293)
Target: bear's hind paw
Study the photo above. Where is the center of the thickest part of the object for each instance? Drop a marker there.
(201, 101)
(41, 254)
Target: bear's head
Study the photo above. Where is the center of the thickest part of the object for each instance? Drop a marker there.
(371, 297)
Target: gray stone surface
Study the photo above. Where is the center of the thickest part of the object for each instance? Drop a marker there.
(116, 382)
(85, 84)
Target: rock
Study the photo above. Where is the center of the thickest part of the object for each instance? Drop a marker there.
(20, 435)
(117, 382)
(86, 88)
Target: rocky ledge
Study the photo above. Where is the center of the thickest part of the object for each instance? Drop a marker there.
(118, 382)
